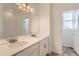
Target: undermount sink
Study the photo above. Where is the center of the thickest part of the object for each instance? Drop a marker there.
(2, 42)
(17, 44)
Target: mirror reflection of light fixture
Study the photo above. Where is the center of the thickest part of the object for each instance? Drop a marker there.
(25, 7)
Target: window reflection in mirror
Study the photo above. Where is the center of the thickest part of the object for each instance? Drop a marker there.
(26, 26)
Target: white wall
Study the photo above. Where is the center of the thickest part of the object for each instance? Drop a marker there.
(44, 22)
(40, 19)
(57, 20)
(34, 25)
(56, 29)
(9, 24)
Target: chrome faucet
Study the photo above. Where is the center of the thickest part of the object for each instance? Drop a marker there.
(12, 39)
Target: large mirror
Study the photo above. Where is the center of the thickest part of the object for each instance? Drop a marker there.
(13, 22)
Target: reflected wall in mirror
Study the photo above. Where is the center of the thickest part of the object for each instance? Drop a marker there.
(13, 22)
(17, 22)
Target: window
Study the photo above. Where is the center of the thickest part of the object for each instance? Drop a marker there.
(70, 19)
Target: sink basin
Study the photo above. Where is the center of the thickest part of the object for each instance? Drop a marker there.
(2, 42)
(17, 44)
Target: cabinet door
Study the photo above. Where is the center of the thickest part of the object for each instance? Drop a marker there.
(34, 53)
(29, 51)
(43, 47)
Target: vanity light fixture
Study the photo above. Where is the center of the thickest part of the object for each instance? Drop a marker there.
(25, 7)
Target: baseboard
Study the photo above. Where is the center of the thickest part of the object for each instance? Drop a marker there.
(58, 54)
(54, 54)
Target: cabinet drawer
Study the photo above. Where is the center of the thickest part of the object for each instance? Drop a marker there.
(28, 50)
(43, 47)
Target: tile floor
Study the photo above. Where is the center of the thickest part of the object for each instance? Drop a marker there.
(67, 52)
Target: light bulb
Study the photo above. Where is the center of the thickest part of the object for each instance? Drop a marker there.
(24, 9)
(24, 5)
(28, 7)
(20, 7)
(31, 9)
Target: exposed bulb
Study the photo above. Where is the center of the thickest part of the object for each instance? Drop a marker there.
(24, 5)
(24, 9)
(31, 9)
(20, 7)
(28, 7)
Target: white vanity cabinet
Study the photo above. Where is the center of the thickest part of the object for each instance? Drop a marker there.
(38, 49)
(30, 51)
(43, 47)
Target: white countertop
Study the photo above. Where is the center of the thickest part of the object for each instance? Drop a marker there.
(8, 49)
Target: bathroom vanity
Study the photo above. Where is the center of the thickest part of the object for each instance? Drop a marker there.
(16, 23)
(25, 46)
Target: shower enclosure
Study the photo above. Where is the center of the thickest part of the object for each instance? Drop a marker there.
(71, 29)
